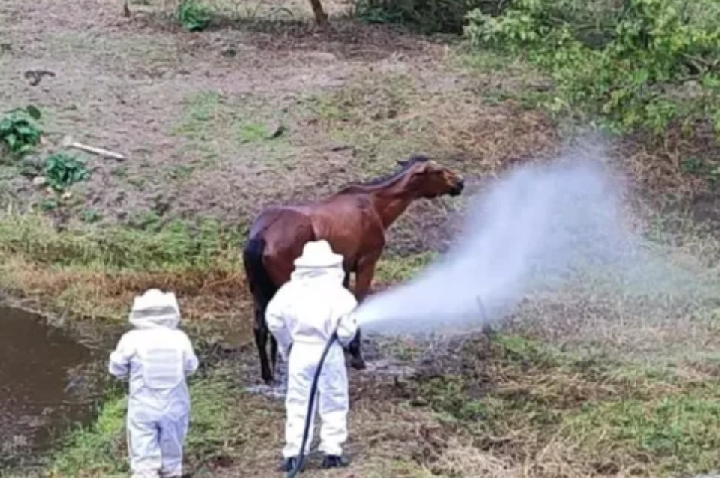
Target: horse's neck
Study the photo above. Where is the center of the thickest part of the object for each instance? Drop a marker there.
(389, 200)
(390, 205)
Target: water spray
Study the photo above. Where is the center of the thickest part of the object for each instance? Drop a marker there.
(537, 229)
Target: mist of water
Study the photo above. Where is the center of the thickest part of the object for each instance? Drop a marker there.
(536, 228)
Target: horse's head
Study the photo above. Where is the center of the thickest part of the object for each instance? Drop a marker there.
(430, 179)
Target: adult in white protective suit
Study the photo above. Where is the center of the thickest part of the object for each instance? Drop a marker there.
(156, 357)
(303, 316)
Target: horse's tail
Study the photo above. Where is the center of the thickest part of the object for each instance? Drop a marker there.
(258, 279)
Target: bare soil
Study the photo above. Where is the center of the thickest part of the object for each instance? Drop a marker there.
(196, 113)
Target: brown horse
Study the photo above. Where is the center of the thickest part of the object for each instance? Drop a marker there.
(353, 221)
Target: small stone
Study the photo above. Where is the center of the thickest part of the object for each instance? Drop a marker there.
(67, 195)
(39, 181)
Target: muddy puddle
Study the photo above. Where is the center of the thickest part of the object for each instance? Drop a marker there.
(44, 385)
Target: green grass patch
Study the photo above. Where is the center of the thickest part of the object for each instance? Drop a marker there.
(593, 412)
(377, 116)
(219, 127)
(97, 450)
(396, 269)
(221, 421)
(678, 432)
(174, 245)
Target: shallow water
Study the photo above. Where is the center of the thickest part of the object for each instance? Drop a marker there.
(42, 387)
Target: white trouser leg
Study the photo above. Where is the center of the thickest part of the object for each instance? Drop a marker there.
(300, 375)
(334, 404)
(143, 447)
(172, 436)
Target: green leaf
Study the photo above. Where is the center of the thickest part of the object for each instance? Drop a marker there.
(11, 141)
(26, 130)
(34, 112)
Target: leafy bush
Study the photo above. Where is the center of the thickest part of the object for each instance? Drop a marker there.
(424, 16)
(193, 16)
(19, 131)
(634, 63)
(63, 170)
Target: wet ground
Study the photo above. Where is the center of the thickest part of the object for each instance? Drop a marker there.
(43, 383)
(378, 365)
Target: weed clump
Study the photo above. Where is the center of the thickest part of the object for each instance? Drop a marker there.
(20, 131)
(193, 16)
(63, 170)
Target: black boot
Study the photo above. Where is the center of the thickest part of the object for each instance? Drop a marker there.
(335, 461)
(289, 464)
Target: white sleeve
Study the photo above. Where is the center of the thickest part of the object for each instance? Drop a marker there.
(276, 318)
(347, 325)
(119, 365)
(190, 360)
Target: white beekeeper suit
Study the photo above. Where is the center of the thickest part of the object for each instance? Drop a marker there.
(157, 357)
(302, 316)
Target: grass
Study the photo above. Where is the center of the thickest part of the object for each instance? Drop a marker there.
(378, 118)
(224, 421)
(250, 126)
(94, 272)
(175, 245)
(561, 415)
(537, 401)
(395, 269)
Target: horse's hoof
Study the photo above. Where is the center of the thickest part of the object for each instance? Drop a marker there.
(358, 364)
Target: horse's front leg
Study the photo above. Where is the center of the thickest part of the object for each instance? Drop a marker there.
(363, 279)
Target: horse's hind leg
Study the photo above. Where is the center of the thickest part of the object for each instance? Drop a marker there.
(261, 337)
(273, 353)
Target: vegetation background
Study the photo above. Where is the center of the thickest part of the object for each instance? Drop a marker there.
(224, 106)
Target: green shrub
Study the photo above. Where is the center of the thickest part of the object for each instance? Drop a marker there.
(63, 170)
(19, 131)
(424, 16)
(193, 16)
(637, 64)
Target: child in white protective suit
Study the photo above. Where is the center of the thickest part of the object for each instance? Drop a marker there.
(302, 316)
(156, 357)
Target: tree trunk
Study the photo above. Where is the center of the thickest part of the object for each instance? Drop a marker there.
(321, 18)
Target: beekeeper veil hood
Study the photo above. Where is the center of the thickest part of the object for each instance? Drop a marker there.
(155, 308)
(318, 261)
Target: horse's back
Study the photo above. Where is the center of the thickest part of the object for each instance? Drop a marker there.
(283, 231)
(343, 220)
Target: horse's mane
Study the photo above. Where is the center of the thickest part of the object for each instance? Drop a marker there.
(387, 179)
